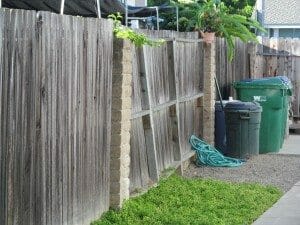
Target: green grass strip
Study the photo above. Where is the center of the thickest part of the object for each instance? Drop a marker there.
(182, 201)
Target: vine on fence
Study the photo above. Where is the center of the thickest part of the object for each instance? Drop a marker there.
(138, 39)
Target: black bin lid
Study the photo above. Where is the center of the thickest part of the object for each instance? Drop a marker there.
(236, 106)
(224, 102)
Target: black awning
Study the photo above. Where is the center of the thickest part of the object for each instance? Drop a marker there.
(86, 8)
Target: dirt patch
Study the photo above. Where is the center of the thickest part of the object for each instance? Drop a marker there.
(280, 170)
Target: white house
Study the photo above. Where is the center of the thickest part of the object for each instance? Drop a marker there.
(137, 2)
(281, 18)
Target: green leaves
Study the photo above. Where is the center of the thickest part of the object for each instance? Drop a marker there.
(213, 16)
(187, 11)
(138, 39)
(182, 201)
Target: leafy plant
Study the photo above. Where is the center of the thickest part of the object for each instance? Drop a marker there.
(213, 16)
(187, 12)
(241, 7)
(138, 39)
(182, 201)
(186, 16)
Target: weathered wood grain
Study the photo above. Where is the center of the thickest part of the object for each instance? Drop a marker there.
(164, 79)
(229, 71)
(272, 57)
(55, 113)
(281, 57)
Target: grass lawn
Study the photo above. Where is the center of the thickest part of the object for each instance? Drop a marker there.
(181, 201)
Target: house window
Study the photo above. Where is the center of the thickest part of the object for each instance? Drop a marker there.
(297, 33)
(289, 33)
(286, 33)
(271, 32)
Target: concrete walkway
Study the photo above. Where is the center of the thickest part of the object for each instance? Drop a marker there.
(286, 211)
(291, 145)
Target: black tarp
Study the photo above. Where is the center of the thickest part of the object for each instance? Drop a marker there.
(86, 8)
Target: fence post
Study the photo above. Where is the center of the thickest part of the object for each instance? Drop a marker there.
(121, 115)
(208, 126)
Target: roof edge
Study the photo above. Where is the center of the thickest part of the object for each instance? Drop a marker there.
(278, 26)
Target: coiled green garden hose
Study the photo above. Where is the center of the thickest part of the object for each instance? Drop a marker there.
(208, 155)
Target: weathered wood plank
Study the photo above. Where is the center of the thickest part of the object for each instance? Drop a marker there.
(158, 74)
(43, 69)
(3, 120)
(296, 76)
(139, 161)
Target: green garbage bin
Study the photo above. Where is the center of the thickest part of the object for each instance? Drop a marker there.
(272, 94)
(242, 128)
(286, 103)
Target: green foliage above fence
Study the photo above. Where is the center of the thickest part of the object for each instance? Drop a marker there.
(187, 8)
(138, 39)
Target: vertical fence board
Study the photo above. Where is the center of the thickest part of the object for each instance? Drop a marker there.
(296, 75)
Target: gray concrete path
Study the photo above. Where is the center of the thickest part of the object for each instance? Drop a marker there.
(291, 145)
(285, 212)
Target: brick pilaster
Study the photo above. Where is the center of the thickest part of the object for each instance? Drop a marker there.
(121, 114)
(209, 93)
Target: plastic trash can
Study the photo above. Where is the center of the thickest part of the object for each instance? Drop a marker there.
(220, 128)
(272, 93)
(220, 138)
(242, 128)
(286, 103)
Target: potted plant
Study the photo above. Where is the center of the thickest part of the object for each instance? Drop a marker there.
(213, 19)
(207, 18)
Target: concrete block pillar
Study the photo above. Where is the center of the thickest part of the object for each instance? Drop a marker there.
(208, 126)
(121, 115)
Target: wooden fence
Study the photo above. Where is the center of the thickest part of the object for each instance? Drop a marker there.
(55, 98)
(227, 72)
(280, 57)
(272, 57)
(167, 87)
(55, 115)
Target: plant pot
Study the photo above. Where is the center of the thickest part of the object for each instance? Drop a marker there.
(208, 37)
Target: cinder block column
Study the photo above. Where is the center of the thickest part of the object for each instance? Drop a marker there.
(209, 93)
(121, 114)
